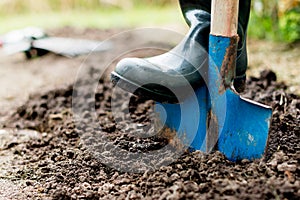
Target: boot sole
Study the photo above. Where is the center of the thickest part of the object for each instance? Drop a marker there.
(140, 90)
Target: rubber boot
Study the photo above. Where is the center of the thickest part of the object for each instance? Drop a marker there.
(165, 78)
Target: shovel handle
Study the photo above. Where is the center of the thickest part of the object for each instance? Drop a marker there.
(222, 62)
(224, 15)
(224, 37)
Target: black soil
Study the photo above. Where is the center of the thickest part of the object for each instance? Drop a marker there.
(67, 161)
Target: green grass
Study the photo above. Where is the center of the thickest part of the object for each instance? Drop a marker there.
(101, 18)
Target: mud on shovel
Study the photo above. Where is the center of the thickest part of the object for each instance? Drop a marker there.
(218, 118)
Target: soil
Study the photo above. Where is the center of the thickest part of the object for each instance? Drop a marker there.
(70, 143)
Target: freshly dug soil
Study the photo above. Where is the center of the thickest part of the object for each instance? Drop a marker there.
(96, 156)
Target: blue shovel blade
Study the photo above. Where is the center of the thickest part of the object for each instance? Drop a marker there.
(242, 126)
(211, 119)
(188, 119)
(243, 134)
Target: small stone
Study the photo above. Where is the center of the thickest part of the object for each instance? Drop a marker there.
(286, 167)
(56, 116)
(44, 134)
(174, 177)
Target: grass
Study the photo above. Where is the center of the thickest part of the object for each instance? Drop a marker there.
(100, 18)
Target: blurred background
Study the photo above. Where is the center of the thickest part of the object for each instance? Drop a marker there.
(273, 42)
(275, 20)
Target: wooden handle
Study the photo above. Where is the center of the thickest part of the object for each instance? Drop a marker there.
(224, 17)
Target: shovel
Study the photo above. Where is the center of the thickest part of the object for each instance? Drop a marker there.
(216, 117)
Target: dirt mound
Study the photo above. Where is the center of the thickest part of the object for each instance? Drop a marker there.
(67, 160)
